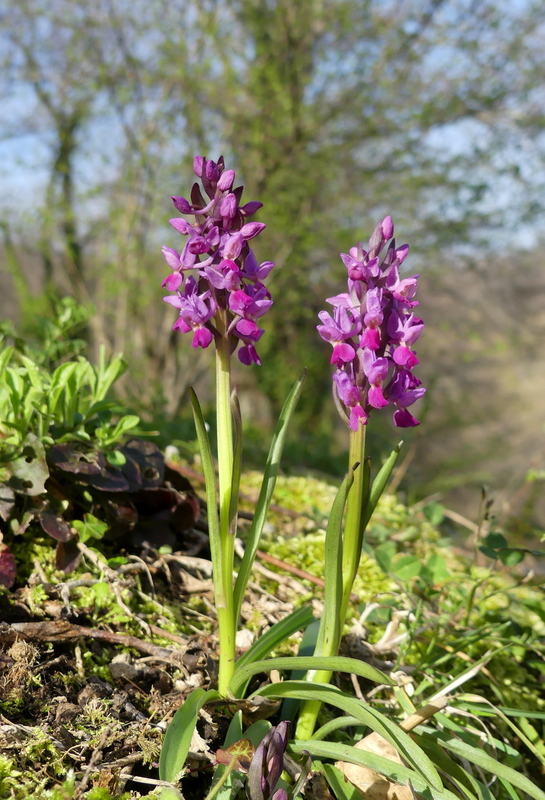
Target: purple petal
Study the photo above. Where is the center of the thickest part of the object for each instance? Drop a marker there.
(357, 417)
(342, 353)
(387, 227)
(226, 180)
(251, 229)
(181, 205)
(370, 339)
(212, 172)
(181, 225)
(174, 300)
(173, 282)
(228, 206)
(405, 357)
(198, 165)
(239, 301)
(172, 257)
(251, 208)
(180, 325)
(202, 337)
(248, 355)
(376, 397)
(404, 419)
(402, 253)
(231, 245)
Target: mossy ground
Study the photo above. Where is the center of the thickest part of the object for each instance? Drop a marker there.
(84, 717)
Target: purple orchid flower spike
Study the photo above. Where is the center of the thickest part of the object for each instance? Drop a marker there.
(267, 764)
(224, 275)
(372, 332)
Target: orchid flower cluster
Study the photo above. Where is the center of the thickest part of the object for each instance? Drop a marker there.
(372, 331)
(225, 277)
(267, 765)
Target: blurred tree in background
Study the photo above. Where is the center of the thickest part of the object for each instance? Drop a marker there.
(333, 112)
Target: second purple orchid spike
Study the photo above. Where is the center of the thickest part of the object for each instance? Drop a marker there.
(372, 331)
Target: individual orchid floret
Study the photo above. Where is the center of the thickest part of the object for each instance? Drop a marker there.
(372, 332)
(195, 311)
(337, 330)
(225, 276)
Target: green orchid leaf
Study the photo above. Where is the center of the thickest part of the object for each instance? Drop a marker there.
(473, 788)
(330, 628)
(329, 663)
(324, 693)
(307, 646)
(169, 794)
(125, 424)
(257, 730)
(35, 374)
(476, 755)
(210, 482)
(379, 484)
(384, 766)
(5, 357)
(279, 632)
(107, 374)
(334, 725)
(267, 487)
(178, 735)
(237, 462)
(342, 788)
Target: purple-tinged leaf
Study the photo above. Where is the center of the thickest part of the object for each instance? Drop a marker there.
(76, 458)
(8, 568)
(67, 556)
(55, 526)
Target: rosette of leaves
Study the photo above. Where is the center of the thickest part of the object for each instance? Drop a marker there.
(74, 492)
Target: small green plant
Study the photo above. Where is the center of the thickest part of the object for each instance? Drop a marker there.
(64, 446)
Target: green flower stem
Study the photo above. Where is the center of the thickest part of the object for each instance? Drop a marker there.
(356, 507)
(331, 628)
(223, 583)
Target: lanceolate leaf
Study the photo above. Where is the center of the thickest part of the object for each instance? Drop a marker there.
(379, 484)
(267, 487)
(210, 482)
(477, 756)
(178, 736)
(233, 782)
(330, 629)
(342, 788)
(237, 462)
(384, 766)
(279, 632)
(325, 693)
(331, 663)
(334, 725)
(474, 789)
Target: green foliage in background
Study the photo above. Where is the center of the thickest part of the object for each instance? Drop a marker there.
(54, 394)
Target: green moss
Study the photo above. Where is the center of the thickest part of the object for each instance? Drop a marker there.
(10, 777)
(307, 551)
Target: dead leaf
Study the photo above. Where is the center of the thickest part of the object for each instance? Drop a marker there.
(240, 752)
(371, 784)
